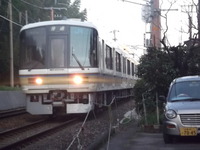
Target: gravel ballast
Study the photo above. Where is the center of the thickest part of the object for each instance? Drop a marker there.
(94, 132)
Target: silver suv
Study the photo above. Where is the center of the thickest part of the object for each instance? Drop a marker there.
(182, 108)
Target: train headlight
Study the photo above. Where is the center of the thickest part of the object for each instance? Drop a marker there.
(38, 81)
(78, 79)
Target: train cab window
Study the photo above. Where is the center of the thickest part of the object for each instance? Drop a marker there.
(128, 67)
(132, 64)
(83, 47)
(124, 65)
(118, 62)
(109, 58)
(32, 52)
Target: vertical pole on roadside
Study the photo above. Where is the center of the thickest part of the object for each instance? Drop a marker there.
(110, 127)
(157, 109)
(52, 14)
(144, 107)
(198, 16)
(26, 17)
(11, 45)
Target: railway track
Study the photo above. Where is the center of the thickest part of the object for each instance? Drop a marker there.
(19, 137)
(11, 113)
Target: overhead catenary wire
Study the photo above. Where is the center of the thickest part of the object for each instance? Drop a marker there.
(31, 4)
(11, 21)
(16, 9)
(135, 3)
(46, 8)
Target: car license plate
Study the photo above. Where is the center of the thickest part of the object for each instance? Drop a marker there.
(188, 131)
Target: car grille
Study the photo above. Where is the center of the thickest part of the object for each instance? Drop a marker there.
(190, 119)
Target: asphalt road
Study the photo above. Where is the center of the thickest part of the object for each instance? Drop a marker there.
(136, 140)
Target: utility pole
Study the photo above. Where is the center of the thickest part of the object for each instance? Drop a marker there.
(190, 27)
(198, 21)
(52, 14)
(155, 24)
(26, 17)
(11, 45)
(151, 14)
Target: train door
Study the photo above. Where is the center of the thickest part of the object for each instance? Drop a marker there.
(57, 52)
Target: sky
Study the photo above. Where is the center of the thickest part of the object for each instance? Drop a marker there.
(110, 15)
(126, 19)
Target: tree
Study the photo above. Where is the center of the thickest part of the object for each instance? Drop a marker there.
(37, 10)
(156, 69)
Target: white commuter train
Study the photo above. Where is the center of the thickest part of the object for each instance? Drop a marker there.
(65, 67)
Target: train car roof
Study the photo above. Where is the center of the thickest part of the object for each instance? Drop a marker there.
(75, 22)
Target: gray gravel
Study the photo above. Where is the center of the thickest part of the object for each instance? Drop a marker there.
(91, 132)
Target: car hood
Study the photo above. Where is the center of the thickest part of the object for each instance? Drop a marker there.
(188, 107)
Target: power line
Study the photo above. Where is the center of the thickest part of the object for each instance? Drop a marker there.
(135, 3)
(11, 21)
(46, 8)
(15, 8)
(32, 4)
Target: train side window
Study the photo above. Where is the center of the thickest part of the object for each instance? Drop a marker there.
(133, 69)
(109, 58)
(128, 67)
(136, 70)
(124, 65)
(118, 62)
(93, 50)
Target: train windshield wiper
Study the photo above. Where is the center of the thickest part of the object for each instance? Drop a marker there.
(33, 65)
(80, 65)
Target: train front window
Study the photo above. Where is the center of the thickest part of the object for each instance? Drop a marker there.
(83, 47)
(33, 42)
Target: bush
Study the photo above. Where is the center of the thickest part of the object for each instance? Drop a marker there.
(7, 88)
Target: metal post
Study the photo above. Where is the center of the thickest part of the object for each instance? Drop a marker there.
(144, 107)
(157, 109)
(52, 14)
(11, 45)
(26, 17)
(198, 16)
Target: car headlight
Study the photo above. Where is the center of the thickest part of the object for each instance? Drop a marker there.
(170, 114)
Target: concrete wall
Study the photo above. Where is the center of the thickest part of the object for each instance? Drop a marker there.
(11, 99)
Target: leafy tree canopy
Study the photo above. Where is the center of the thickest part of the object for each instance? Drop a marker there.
(36, 10)
(158, 68)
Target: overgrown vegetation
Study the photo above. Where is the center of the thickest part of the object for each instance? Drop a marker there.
(8, 88)
(158, 68)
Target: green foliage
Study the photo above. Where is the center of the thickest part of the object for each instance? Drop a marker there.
(151, 119)
(158, 68)
(7, 88)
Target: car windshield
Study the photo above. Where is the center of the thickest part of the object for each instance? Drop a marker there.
(189, 90)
